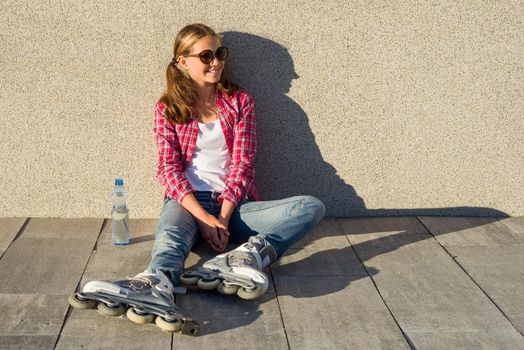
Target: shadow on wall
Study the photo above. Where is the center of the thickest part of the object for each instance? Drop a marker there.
(289, 161)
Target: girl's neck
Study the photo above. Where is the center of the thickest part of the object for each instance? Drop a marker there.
(206, 94)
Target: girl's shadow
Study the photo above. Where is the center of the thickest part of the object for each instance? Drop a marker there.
(290, 163)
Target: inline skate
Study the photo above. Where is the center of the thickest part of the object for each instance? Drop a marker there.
(146, 295)
(236, 272)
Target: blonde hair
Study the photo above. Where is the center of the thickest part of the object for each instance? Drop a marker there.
(180, 95)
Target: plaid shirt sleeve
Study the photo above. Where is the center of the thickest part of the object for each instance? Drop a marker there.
(241, 176)
(169, 172)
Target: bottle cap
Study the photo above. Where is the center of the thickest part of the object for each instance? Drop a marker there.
(119, 182)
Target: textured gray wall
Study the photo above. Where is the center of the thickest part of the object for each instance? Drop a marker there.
(375, 107)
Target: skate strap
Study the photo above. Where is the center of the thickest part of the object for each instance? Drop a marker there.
(238, 258)
(135, 284)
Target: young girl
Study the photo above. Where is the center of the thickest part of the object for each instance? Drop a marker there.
(205, 130)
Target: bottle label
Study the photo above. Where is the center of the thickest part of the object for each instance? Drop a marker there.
(119, 216)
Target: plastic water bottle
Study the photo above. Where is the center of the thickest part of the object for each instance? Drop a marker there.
(120, 214)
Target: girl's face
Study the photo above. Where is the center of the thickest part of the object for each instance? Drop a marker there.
(203, 74)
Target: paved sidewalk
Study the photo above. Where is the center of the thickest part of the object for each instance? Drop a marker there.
(363, 283)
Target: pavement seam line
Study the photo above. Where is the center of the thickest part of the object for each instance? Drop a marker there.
(467, 274)
(279, 308)
(69, 307)
(22, 229)
(509, 228)
(408, 341)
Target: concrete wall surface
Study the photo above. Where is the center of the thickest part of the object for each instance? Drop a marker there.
(375, 107)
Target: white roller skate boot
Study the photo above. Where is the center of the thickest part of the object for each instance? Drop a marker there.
(146, 295)
(236, 272)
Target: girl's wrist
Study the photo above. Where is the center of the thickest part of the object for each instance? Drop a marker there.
(226, 210)
(207, 219)
(223, 217)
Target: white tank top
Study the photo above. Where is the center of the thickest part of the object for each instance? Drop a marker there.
(209, 166)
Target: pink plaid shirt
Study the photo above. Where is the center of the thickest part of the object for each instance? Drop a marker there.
(176, 144)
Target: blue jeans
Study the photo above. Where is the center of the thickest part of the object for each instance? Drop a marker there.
(281, 222)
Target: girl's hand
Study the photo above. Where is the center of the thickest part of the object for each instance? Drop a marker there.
(212, 231)
(223, 233)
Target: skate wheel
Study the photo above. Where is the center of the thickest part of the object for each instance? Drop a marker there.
(188, 280)
(224, 289)
(111, 310)
(132, 315)
(168, 326)
(208, 284)
(78, 303)
(250, 294)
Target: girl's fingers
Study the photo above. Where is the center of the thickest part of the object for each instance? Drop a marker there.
(225, 238)
(216, 239)
(222, 241)
(211, 237)
(216, 248)
(216, 235)
(221, 225)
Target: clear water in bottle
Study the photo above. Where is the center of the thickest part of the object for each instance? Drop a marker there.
(120, 214)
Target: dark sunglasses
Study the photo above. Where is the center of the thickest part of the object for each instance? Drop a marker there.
(207, 56)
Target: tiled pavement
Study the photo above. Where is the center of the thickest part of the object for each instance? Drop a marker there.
(362, 283)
